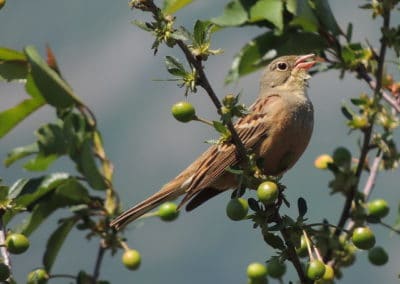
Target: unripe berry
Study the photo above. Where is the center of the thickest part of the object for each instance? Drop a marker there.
(38, 276)
(17, 243)
(4, 272)
(378, 208)
(276, 268)
(183, 111)
(363, 238)
(256, 270)
(302, 250)
(237, 209)
(315, 269)
(168, 211)
(267, 192)
(131, 259)
(378, 256)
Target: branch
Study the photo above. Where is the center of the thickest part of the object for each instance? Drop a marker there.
(4, 252)
(99, 259)
(369, 185)
(205, 84)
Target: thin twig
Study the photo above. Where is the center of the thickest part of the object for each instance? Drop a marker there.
(370, 183)
(205, 84)
(3, 249)
(99, 260)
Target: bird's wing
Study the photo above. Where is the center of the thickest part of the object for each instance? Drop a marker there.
(251, 129)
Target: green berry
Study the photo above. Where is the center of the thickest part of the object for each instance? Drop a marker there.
(329, 273)
(322, 161)
(17, 243)
(168, 211)
(302, 251)
(378, 208)
(38, 276)
(237, 209)
(276, 268)
(267, 192)
(131, 259)
(183, 111)
(363, 238)
(378, 256)
(256, 270)
(4, 271)
(342, 156)
(315, 269)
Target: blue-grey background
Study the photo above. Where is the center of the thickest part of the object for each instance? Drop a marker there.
(110, 66)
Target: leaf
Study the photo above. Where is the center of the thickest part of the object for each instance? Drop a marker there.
(303, 16)
(325, 16)
(234, 14)
(347, 111)
(220, 127)
(88, 167)
(19, 153)
(172, 6)
(270, 10)
(274, 241)
(144, 26)
(349, 32)
(201, 31)
(174, 66)
(67, 194)
(51, 139)
(27, 192)
(253, 204)
(302, 207)
(252, 56)
(13, 70)
(11, 117)
(7, 54)
(52, 87)
(40, 163)
(56, 241)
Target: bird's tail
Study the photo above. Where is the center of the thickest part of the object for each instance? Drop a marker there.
(168, 192)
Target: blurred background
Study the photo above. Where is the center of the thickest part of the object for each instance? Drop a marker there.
(109, 64)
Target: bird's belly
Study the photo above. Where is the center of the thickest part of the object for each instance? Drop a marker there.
(285, 145)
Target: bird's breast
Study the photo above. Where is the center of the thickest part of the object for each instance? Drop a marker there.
(290, 128)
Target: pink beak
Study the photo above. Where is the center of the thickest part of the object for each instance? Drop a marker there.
(302, 63)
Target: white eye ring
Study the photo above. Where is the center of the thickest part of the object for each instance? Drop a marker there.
(282, 66)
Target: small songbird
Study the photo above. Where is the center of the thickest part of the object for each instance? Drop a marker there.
(277, 129)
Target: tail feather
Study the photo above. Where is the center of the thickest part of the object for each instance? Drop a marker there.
(145, 206)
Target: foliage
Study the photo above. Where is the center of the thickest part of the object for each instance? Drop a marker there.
(288, 27)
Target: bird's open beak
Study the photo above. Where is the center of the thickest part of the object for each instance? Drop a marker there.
(304, 62)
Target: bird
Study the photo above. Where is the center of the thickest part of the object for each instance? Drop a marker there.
(277, 129)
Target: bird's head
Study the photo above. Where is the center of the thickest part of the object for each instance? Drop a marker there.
(287, 72)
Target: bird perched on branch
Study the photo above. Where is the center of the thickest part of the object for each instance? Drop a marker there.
(277, 129)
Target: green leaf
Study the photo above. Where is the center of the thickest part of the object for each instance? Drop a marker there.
(302, 206)
(13, 70)
(172, 6)
(220, 127)
(304, 16)
(51, 139)
(347, 111)
(201, 31)
(11, 117)
(27, 192)
(234, 14)
(174, 66)
(69, 193)
(88, 167)
(270, 10)
(274, 241)
(19, 153)
(52, 87)
(252, 56)
(144, 26)
(7, 54)
(40, 163)
(56, 241)
(325, 16)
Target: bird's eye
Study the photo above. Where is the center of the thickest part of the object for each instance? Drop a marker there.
(282, 66)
